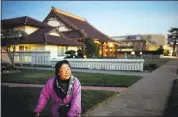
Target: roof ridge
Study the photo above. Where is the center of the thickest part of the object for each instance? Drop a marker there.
(26, 19)
(39, 21)
(13, 18)
(68, 14)
(66, 21)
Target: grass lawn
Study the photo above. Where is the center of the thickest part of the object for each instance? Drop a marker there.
(20, 102)
(159, 62)
(86, 79)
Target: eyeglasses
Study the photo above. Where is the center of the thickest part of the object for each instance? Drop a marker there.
(64, 69)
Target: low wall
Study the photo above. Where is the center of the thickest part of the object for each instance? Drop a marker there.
(42, 58)
(106, 64)
(29, 57)
(147, 97)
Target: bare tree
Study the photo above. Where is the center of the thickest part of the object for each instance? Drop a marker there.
(9, 39)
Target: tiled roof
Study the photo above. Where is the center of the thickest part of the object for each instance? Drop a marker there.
(61, 41)
(73, 34)
(41, 37)
(81, 24)
(37, 36)
(21, 21)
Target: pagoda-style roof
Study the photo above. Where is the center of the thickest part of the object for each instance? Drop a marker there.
(73, 34)
(78, 23)
(40, 36)
(21, 21)
(54, 40)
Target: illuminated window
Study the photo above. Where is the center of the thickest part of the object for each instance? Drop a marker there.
(21, 48)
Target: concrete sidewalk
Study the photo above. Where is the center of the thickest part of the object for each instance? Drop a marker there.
(115, 89)
(147, 97)
(143, 74)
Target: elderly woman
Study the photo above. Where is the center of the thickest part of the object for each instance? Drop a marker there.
(65, 91)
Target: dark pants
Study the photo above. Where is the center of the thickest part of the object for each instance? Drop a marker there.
(63, 110)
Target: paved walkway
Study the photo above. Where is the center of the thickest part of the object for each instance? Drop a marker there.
(147, 97)
(95, 71)
(115, 89)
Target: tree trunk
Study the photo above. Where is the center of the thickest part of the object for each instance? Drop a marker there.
(13, 64)
(10, 55)
(117, 51)
(174, 47)
(102, 44)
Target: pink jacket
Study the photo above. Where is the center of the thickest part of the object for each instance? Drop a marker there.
(48, 92)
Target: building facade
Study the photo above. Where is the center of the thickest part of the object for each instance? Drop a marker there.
(78, 28)
(40, 37)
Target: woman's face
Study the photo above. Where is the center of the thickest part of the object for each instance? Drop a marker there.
(64, 72)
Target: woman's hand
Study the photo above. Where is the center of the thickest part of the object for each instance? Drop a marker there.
(37, 114)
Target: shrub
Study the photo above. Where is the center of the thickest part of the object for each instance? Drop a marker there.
(150, 67)
(6, 66)
(153, 66)
(71, 53)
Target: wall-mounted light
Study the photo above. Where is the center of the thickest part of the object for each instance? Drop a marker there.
(110, 44)
(132, 52)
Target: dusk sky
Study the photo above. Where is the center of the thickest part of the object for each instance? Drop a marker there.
(114, 18)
